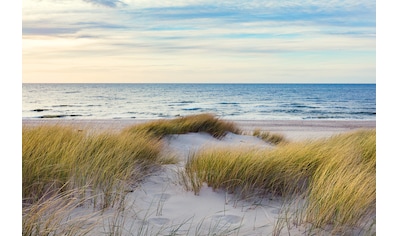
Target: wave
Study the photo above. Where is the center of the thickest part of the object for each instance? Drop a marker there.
(364, 113)
(150, 101)
(228, 103)
(40, 110)
(324, 117)
(65, 105)
(298, 105)
(192, 109)
(284, 111)
(180, 103)
(56, 116)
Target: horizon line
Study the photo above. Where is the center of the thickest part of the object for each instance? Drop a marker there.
(326, 83)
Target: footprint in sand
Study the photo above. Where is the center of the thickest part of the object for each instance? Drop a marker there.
(229, 219)
(159, 220)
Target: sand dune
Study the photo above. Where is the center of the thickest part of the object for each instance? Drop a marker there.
(161, 206)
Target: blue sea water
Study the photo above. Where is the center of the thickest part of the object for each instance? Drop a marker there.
(228, 101)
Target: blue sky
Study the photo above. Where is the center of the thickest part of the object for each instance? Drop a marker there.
(199, 41)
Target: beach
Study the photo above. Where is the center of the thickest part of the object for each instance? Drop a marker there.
(292, 129)
(161, 205)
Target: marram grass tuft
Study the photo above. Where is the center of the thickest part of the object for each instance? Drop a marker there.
(195, 123)
(336, 176)
(55, 157)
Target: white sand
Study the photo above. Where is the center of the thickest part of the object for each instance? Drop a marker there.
(161, 205)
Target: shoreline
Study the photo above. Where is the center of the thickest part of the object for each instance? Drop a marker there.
(294, 130)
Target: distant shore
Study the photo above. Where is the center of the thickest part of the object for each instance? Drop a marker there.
(292, 129)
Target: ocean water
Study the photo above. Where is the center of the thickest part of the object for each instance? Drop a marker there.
(228, 101)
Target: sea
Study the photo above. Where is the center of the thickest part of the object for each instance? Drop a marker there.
(228, 101)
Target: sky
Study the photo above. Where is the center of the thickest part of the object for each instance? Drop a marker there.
(198, 41)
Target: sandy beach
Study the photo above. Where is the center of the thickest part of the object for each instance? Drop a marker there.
(292, 129)
(161, 206)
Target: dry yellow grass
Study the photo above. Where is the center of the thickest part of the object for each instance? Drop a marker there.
(63, 167)
(51, 216)
(195, 123)
(61, 164)
(273, 138)
(57, 157)
(336, 176)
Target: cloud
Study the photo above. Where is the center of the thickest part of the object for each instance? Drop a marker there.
(316, 14)
(98, 25)
(107, 3)
(47, 31)
(40, 28)
(230, 33)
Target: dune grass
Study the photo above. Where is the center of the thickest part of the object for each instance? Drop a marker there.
(52, 215)
(54, 155)
(335, 176)
(195, 123)
(70, 167)
(273, 138)
(64, 168)
(60, 157)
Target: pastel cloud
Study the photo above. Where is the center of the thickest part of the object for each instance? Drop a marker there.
(107, 3)
(200, 41)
